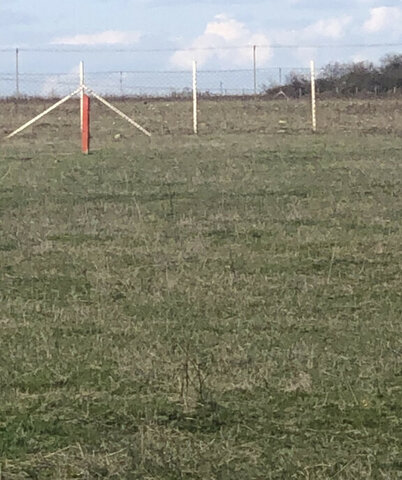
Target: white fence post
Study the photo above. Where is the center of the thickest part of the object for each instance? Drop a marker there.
(195, 98)
(82, 84)
(255, 68)
(313, 98)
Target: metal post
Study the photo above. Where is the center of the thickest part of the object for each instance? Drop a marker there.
(195, 99)
(280, 76)
(17, 73)
(255, 68)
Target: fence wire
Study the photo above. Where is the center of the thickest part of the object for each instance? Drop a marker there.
(178, 84)
(147, 83)
(55, 73)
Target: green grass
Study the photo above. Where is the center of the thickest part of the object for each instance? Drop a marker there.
(220, 307)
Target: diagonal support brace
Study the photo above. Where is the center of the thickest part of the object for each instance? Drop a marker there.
(41, 115)
(119, 112)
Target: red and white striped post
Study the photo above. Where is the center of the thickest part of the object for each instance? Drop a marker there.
(83, 91)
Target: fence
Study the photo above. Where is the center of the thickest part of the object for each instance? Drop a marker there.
(245, 89)
(293, 82)
(53, 73)
(149, 83)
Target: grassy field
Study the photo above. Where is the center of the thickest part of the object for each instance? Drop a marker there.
(221, 307)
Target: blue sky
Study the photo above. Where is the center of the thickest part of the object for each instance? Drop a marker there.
(171, 24)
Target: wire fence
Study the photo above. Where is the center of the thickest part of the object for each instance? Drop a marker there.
(290, 82)
(149, 83)
(33, 80)
(54, 72)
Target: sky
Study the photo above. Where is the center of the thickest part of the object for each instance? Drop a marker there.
(171, 25)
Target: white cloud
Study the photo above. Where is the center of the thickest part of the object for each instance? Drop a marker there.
(224, 31)
(328, 28)
(325, 29)
(383, 18)
(109, 37)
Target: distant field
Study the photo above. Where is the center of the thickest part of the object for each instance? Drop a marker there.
(222, 307)
(169, 117)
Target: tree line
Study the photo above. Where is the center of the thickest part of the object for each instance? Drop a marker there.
(348, 79)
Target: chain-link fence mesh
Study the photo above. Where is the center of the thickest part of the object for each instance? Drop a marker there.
(148, 83)
(178, 84)
(8, 74)
(53, 72)
(291, 82)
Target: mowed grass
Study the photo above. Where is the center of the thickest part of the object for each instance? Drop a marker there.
(224, 307)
